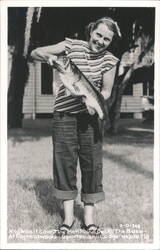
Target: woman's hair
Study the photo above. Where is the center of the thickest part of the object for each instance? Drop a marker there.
(109, 22)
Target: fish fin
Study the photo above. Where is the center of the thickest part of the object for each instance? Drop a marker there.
(76, 88)
(68, 92)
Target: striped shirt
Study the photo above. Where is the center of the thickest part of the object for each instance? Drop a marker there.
(92, 65)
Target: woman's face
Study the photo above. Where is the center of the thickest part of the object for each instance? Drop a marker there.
(100, 38)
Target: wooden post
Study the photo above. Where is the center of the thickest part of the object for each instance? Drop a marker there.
(34, 94)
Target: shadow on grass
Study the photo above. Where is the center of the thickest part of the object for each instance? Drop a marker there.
(32, 130)
(130, 132)
(131, 136)
(127, 164)
(28, 134)
(45, 195)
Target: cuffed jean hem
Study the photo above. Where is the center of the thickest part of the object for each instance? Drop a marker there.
(93, 198)
(65, 195)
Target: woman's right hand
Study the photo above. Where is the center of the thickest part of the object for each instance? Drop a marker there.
(51, 59)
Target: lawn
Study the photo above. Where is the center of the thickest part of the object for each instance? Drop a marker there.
(126, 215)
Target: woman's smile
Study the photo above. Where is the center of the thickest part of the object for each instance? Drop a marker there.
(98, 45)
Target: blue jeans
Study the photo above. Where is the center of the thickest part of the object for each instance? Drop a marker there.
(77, 136)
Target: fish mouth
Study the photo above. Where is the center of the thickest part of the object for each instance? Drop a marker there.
(61, 66)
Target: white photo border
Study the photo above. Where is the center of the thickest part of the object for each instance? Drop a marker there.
(4, 4)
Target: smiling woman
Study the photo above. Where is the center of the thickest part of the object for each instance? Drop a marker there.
(76, 130)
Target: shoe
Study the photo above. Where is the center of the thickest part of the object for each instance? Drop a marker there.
(92, 229)
(64, 229)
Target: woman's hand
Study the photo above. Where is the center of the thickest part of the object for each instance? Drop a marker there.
(51, 59)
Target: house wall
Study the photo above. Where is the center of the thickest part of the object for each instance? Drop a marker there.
(34, 102)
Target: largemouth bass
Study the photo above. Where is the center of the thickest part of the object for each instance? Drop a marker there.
(78, 85)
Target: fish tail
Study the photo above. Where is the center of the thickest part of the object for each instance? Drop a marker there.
(101, 127)
(91, 110)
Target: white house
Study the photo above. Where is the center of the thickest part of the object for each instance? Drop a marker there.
(39, 99)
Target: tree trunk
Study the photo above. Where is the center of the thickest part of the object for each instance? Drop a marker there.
(116, 110)
(19, 70)
(19, 75)
(116, 99)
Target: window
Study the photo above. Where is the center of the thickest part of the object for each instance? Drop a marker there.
(148, 88)
(46, 79)
(129, 89)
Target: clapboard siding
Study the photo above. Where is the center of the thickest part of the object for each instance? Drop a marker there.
(28, 95)
(131, 104)
(35, 102)
(28, 100)
(138, 89)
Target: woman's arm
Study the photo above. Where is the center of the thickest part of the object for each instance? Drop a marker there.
(43, 53)
(108, 81)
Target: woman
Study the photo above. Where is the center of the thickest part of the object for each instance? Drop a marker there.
(76, 133)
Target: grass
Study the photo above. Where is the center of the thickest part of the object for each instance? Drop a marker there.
(126, 215)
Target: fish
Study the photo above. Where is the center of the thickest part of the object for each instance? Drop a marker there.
(79, 85)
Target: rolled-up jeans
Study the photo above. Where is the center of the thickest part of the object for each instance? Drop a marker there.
(77, 136)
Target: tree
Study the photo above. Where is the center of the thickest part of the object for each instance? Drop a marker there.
(140, 63)
(19, 37)
(19, 71)
(137, 56)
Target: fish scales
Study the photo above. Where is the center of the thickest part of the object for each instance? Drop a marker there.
(77, 83)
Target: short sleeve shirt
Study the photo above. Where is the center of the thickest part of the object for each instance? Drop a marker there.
(91, 64)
